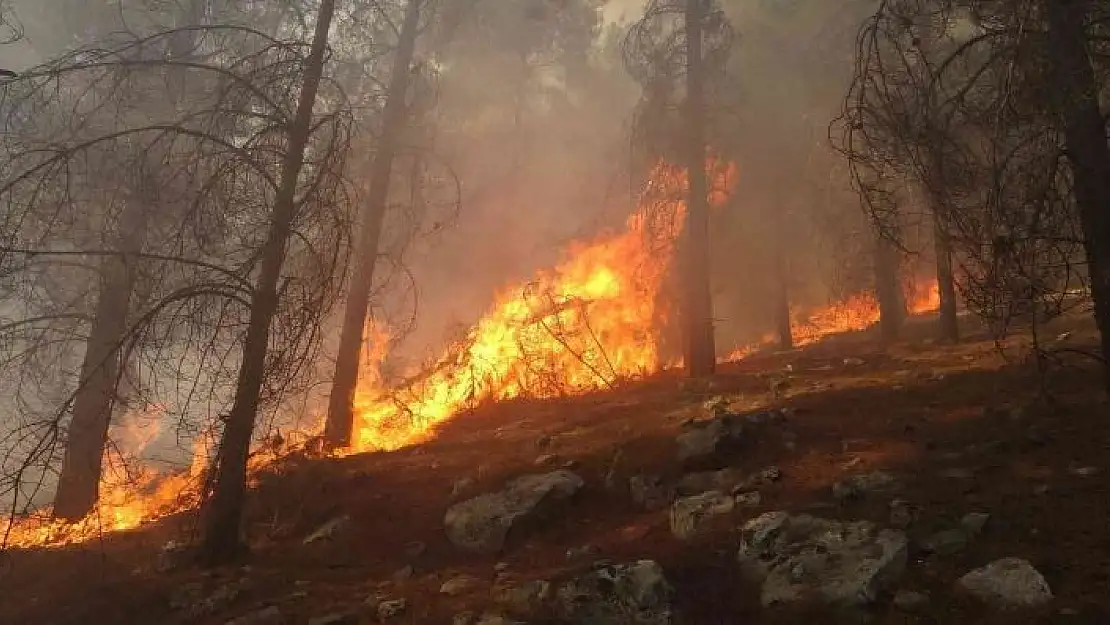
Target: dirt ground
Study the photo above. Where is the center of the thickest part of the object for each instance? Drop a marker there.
(965, 428)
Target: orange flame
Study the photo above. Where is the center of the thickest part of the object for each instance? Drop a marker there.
(583, 325)
(856, 312)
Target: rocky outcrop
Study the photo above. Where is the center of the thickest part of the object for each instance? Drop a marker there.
(619, 594)
(710, 442)
(1007, 583)
(484, 523)
(808, 559)
(691, 516)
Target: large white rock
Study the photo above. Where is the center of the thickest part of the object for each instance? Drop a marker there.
(1008, 583)
(483, 524)
(808, 559)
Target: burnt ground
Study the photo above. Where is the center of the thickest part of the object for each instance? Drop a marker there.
(964, 427)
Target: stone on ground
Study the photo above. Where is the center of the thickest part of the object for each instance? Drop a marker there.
(484, 523)
(710, 441)
(1008, 583)
(459, 585)
(692, 515)
(619, 594)
(802, 559)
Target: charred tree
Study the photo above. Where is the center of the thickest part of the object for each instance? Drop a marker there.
(782, 299)
(949, 325)
(93, 402)
(888, 290)
(79, 480)
(223, 515)
(340, 421)
(1087, 152)
(697, 303)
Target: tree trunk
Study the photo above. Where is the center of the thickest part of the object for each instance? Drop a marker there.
(340, 422)
(697, 302)
(888, 290)
(782, 300)
(949, 325)
(1085, 136)
(79, 480)
(222, 541)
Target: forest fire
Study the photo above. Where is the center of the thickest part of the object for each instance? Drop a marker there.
(583, 325)
(854, 313)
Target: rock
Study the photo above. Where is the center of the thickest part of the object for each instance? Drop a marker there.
(544, 441)
(266, 616)
(328, 530)
(853, 362)
(974, 522)
(338, 618)
(947, 542)
(650, 492)
(501, 567)
(619, 594)
(391, 608)
(460, 585)
(859, 486)
(484, 523)
(808, 559)
(1007, 583)
(723, 480)
(749, 499)
(461, 485)
(1085, 471)
(545, 460)
(524, 599)
(692, 515)
(910, 601)
(465, 618)
(710, 441)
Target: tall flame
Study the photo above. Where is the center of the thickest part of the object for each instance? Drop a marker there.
(581, 326)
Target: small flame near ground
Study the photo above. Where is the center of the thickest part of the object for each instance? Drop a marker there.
(583, 325)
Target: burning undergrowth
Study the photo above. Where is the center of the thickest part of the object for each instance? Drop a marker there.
(586, 324)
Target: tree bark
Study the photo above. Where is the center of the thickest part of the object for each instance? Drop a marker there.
(340, 421)
(79, 480)
(888, 290)
(782, 298)
(697, 302)
(1088, 155)
(222, 541)
(948, 321)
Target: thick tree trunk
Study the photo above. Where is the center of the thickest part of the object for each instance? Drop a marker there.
(697, 301)
(340, 421)
(888, 290)
(1085, 134)
(79, 480)
(949, 325)
(222, 540)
